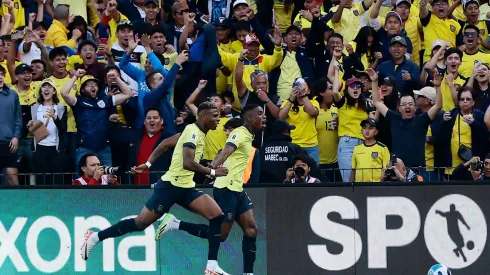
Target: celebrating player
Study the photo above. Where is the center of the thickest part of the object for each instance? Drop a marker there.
(177, 186)
(228, 191)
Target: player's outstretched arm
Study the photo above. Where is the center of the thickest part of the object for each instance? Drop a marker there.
(191, 165)
(223, 155)
(159, 150)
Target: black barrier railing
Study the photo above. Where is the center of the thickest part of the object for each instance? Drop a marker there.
(333, 176)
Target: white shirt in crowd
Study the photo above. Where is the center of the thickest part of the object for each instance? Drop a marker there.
(52, 139)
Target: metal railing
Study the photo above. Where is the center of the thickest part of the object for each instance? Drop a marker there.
(333, 176)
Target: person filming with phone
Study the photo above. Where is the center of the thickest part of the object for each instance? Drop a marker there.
(397, 171)
(474, 169)
(299, 173)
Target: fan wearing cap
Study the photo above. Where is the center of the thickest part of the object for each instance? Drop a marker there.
(369, 157)
(25, 88)
(438, 25)
(389, 95)
(426, 98)
(405, 71)
(392, 28)
(407, 129)
(437, 62)
(124, 34)
(295, 64)
(472, 53)
(92, 110)
(252, 59)
(352, 109)
(346, 18)
(57, 34)
(472, 13)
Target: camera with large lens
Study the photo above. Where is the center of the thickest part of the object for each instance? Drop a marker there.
(476, 166)
(299, 171)
(390, 173)
(109, 170)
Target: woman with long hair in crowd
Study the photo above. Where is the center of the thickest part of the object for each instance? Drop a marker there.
(480, 81)
(436, 62)
(326, 127)
(352, 109)
(301, 111)
(365, 46)
(47, 159)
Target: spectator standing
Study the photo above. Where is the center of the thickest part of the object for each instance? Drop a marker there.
(92, 112)
(327, 129)
(408, 130)
(33, 48)
(472, 12)
(463, 133)
(88, 52)
(57, 34)
(92, 172)
(392, 28)
(369, 157)
(300, 111)
(472, 53)
(146, 140)
(346, 18)
(353, 108)
(481, 84)
(438, 25)
(365, 47)
(437, 62)
(452, 80)
(425, 99)
(406, 72)
(47, 154)
(152, 10)
(11, 129)
(412, 27)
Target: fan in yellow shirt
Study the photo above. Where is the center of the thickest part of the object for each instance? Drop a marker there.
(300, 19)
(253, 60)
(370, 157)
(301, 112)
(472, 12)
(437, 25)
(27, 90)
(346, 19)
(472, 54)
(452, 81)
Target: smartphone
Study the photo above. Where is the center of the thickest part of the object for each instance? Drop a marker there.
(102, 41)
(298, 82)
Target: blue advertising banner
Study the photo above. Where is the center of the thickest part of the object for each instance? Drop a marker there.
(41, 231)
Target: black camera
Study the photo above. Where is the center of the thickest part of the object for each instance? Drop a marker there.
(477, 166)
(390, 173)
(109, 170)
(299, 171)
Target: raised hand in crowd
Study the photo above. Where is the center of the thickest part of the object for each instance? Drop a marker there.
(243, 54)
(145, 42)
(437, 78)
(132, 44)
(307, 15)
(32, 17)
(447, 116)
(250, 13)
(76, 34)
(276, 36)
(183, 57)
(169, 49)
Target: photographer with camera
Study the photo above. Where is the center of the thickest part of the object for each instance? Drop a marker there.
(474, 169)
(299, 173)
(397, 171)
(92, 173)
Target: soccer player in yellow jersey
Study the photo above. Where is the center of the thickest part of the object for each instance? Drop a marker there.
(228, 191)
(369, 157)
(176, 187)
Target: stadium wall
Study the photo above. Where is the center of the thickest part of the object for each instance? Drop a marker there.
(317, 229)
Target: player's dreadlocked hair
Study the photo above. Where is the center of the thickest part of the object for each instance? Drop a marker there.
(206, 105)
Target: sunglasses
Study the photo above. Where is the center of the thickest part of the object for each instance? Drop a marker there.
(125, 22)
(355, 86)
(466, 99)
(407, 104)
(46, 86)
(470, 34)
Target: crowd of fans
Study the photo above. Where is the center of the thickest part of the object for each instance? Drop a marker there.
(361, 91)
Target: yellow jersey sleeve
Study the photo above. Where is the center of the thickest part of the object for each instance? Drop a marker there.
(190, 138)
(235, 139)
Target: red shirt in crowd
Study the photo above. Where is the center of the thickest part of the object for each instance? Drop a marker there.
(144, 152)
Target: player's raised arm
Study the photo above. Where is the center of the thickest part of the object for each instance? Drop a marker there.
(159, 150)
(191, 165)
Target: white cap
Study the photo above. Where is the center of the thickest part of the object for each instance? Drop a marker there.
(428, 92)
(437, 43)
(238, 2)
(466, 2)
